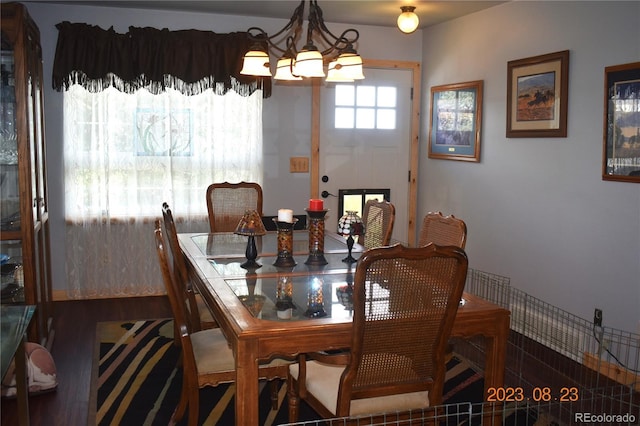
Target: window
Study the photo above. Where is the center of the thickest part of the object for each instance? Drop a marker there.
(365, 107)
(355, 199)
(127, 153)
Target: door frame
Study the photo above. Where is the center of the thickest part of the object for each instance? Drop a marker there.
(414, 67)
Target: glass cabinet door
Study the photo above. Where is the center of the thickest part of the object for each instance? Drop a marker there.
(9, 178)
(10, 249)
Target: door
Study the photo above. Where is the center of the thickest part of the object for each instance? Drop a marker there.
(365, 141)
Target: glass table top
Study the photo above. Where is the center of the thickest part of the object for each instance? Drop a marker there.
(230, 267)
(14, 321)
(307, 297)
(228, 244)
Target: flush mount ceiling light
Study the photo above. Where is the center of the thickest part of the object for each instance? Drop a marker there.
(408, 20)
(344, 63)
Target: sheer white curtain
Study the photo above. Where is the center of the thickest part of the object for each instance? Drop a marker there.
(124, 155)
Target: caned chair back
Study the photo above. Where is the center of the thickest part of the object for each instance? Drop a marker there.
(443, 230)
(404, 301)
(227, 202)
(378, 218)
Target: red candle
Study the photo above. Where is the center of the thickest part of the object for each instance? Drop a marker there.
(316, 205)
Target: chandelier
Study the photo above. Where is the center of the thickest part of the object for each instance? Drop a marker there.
(344, 63)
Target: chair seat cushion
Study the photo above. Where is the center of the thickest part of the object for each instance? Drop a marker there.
(206, 319)
(323, 381)
(213, 354)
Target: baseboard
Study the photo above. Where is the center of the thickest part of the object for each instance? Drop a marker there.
(61, 296)
(612, 371)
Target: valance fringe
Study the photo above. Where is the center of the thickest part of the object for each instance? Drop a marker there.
(190, 61)
(157, 87)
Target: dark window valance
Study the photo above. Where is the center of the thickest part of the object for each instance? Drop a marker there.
(190, 61)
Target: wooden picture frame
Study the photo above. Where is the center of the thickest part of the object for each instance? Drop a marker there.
(537, 96)
(455, 121)
(621, 138)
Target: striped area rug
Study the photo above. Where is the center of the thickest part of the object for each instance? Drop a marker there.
(136, 381)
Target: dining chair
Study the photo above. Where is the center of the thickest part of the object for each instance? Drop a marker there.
(404, 304)
(378, 218)
(199, 315)
(207, 359)
(227, 202)
(443, 230)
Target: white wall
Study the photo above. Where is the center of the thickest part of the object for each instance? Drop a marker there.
(287, 121)
(537, 209)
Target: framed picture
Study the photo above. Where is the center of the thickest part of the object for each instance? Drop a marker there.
(621, 152)
(537, 96)
(456, 117)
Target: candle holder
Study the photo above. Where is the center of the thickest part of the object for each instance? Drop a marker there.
(315, 299)
(285, 243)
(284, 294)
(316, 237)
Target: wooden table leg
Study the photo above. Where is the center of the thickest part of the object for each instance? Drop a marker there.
(22, 384)
(496, 355)
(246, 384)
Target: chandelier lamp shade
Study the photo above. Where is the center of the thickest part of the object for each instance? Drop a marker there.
(338, 52)
(408, 20)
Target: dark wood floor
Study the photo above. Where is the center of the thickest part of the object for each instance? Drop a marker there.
(73, 347)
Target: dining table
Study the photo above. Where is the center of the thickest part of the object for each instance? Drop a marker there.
(248, 305)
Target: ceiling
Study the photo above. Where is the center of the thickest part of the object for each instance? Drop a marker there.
(357, 12)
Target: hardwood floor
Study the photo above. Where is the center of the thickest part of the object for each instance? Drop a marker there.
(75, 338)
(73, 348)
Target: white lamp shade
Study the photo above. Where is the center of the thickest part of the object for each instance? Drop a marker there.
(309, 64)
(283, 70)
(335, 76)
(408, 21)
(349, 65)
(256, 62)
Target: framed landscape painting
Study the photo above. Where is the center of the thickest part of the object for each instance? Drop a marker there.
(537, 96)
(454, 125)
(621, 151)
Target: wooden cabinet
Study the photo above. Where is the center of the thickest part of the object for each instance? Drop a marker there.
(24, 226)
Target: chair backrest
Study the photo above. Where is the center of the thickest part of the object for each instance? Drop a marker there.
(443, 230)
(405, 301)
(176, 299)
(227, 202)
(181, 276)
(178, 308)
(378, 218)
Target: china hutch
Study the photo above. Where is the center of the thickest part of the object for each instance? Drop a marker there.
(24, 226)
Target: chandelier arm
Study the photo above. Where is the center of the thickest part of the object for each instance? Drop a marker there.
(316, 22)
(341, 43)
(296, 20)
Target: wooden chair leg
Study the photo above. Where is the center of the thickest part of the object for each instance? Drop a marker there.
(294, 400)
(194, 406)
(274, 388)
(182, 404)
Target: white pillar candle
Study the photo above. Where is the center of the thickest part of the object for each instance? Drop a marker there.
(285, 215)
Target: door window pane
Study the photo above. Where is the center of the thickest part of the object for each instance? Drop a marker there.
(344, 118)
(372, 107)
